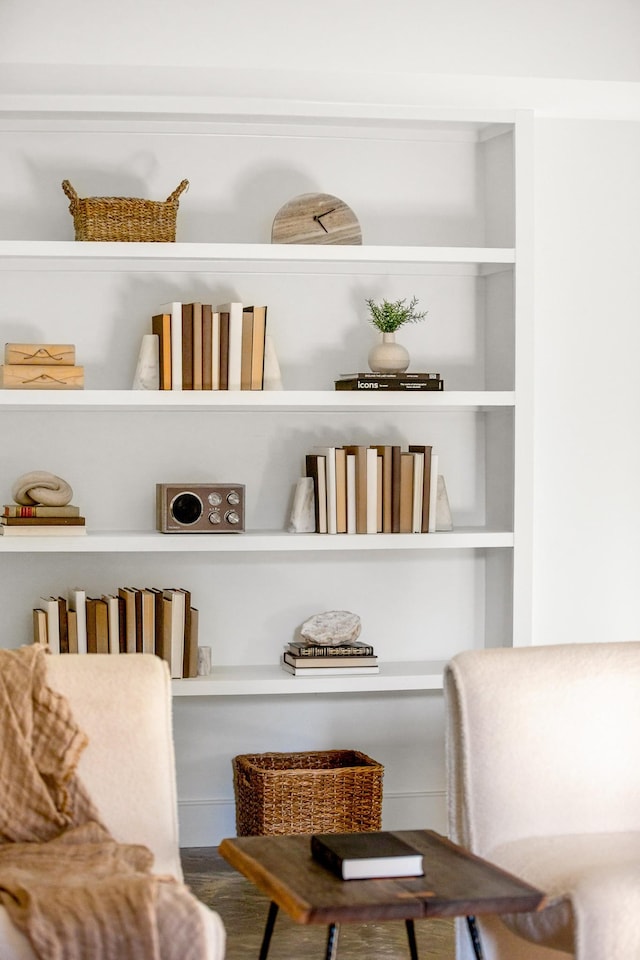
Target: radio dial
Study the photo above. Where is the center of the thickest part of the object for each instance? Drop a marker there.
(215, 499)
(232, 517)
(214, 517)
(234, 499)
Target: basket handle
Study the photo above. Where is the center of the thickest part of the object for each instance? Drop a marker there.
(178, 190)
(71, 194)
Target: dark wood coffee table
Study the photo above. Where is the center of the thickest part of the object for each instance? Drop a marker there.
(455, 884)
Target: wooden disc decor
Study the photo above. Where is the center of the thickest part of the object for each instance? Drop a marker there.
(316, 218)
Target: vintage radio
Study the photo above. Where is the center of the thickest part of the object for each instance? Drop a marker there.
(200, 507)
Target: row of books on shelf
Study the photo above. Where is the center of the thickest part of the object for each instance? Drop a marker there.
(379, 488)
(206, 347)
(154, 620)
(305, 659)
(17, 520)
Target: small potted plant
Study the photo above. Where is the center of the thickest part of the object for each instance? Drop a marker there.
(388, 316)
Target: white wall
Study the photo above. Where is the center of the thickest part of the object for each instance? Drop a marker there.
(587, 39)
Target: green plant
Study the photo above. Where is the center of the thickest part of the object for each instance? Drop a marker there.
(388, 315)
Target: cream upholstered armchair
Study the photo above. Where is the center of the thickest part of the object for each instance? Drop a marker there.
(543, 749)
(124, 705)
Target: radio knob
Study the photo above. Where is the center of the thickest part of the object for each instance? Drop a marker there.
(214, 517)
(232, 517)
(214, 499)
(233, 498)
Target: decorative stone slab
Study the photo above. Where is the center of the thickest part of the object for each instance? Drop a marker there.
(331, 627)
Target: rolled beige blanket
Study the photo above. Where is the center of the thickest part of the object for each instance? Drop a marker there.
(39, 486)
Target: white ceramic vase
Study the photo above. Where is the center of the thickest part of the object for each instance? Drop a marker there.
(387, 356)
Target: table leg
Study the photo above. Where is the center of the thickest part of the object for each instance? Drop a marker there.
(268, 930)
(332, 942)
(411, 936)
(475, 938)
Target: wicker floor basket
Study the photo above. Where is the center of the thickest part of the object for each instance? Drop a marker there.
(124, 218)
(326, 791)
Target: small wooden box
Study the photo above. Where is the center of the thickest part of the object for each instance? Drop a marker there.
(21, 376)
(49, 354)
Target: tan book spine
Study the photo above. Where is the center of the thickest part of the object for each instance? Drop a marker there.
(257, 351)
(161, 326)
(247, 348)
(38, 510)
(191, 644)
(39, 377)
(40, 626)
(72, 627)
(426, 482)
(47, 354)
(385, 452)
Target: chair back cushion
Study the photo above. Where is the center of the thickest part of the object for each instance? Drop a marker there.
(123, 703)
(543, 741)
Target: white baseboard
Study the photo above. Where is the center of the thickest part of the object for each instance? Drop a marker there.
(204, 823)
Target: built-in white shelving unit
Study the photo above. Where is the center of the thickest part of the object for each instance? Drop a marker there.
(444, 201)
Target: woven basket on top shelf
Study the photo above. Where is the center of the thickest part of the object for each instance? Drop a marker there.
(324, 791)
(124, 218)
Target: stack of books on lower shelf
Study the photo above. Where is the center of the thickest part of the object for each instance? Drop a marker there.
(129, 620)
(41, 521)
(304, 659)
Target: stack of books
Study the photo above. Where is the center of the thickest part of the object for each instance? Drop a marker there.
(154, 620)
(40, 366)
(389, 381)
(41, 521)
(305, 659)
(379, 488)
(206, 347)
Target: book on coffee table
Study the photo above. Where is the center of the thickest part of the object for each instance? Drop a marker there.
(363, 856)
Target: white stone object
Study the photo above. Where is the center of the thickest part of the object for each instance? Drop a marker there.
(272, 378)
(444, 520)
(43, 487)
(147, 375)
(204, 661)
(303, 514)
(331, 628)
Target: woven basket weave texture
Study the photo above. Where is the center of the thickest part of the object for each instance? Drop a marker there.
(324, 791)
(124, 218)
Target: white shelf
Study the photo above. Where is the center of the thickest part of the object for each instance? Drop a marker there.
(253, 401)
(264, 541)
(272, 679)
(78, 254)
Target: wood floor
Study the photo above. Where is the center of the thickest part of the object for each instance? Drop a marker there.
(243, 910)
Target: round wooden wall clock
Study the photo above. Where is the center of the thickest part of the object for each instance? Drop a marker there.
(316, 218)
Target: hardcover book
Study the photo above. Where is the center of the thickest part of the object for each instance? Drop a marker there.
(322, 671)
(361, 383)
(369, 375)
(161, 326)
(311, 663)
(353, 649)
(362, 856)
